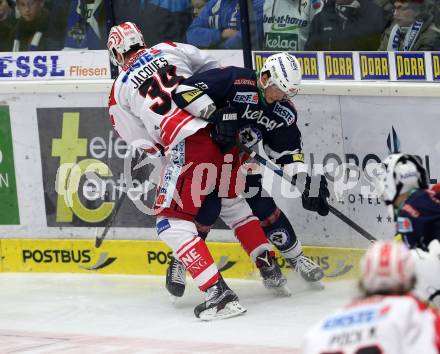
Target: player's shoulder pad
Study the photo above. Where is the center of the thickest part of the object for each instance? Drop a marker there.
(286, 111)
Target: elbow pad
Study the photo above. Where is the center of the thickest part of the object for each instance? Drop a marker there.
(195, 101)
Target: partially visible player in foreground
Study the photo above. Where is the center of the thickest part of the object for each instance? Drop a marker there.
(263, 102)
(403, 186)
(386, 319)
(143, 113)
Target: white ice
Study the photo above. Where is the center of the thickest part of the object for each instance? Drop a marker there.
(72, 313)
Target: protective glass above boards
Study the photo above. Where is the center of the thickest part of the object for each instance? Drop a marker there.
(269, 25)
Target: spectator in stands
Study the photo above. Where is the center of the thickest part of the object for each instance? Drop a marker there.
(7, 23)
(347, 25)
(387, 8)
(436, 12)
(197, 6)
(413, 28)
(217, 26)
(286, 23)
(165, 20)
(86, 25)
(35, 28)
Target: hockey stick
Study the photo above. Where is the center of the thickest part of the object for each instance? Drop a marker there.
(269, 164)
(100, 238)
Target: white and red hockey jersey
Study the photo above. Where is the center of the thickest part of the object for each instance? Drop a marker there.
(140, 104)
(377, 325)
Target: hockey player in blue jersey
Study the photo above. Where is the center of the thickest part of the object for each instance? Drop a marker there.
(403, 186)
(415, 208)
(262, 101)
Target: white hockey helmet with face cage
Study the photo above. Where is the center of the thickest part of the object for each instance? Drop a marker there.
(400, 174)
(121, 39)
(284, 72)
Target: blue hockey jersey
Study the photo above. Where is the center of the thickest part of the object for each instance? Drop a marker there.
(274, 124)
(418, 219)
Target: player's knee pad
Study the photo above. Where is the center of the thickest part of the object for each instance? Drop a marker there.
(235, 211)
(190, 249)
(175, 232)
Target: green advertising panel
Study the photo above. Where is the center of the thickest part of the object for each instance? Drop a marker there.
(9, 214)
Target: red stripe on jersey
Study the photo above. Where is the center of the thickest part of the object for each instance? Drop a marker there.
(112, 119)
(179, 127)
(172, 44)
(168, 117)
(172, 125)
(111, 98)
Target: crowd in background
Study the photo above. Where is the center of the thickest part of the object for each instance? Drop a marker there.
(279, 25)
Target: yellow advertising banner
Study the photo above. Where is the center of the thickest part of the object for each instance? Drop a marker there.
(152, 258)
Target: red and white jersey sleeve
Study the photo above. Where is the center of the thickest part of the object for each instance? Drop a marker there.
(378, 324)
(141, 106)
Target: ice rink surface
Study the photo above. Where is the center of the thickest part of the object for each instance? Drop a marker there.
(71, 313)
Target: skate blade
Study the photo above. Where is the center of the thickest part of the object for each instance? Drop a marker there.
(231, 309)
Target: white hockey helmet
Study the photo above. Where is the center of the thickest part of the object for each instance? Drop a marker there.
(284, 72)
(400, 173)
(387, 267)
(121, 39)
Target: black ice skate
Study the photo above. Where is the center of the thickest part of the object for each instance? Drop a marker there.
(309, 270)
(273, 278)
(221, 302)
(176, 278)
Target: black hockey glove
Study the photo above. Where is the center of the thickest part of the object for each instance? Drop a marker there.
(225, 130)
(317, 202)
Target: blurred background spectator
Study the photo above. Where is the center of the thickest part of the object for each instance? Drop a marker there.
(7, 23)
(275, 25)
(40, 25)
(86, 25)
(387, 8)
(437, 13)
(217, 26)
(165, 20)
(286, 23)
(197, 6)
(347, 25)
(413, 28)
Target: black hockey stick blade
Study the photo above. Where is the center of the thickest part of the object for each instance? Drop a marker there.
(260, 159)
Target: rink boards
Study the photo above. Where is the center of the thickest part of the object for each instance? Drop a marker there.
(151, 258)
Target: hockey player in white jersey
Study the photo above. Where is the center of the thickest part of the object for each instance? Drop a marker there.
(143, 113)
(387, 319)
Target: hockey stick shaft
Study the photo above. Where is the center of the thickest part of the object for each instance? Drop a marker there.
(269, 164)
(100, 238)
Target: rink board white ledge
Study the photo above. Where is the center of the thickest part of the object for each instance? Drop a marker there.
(152, 257)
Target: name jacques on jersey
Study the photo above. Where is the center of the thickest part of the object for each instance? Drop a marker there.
(142, 73)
